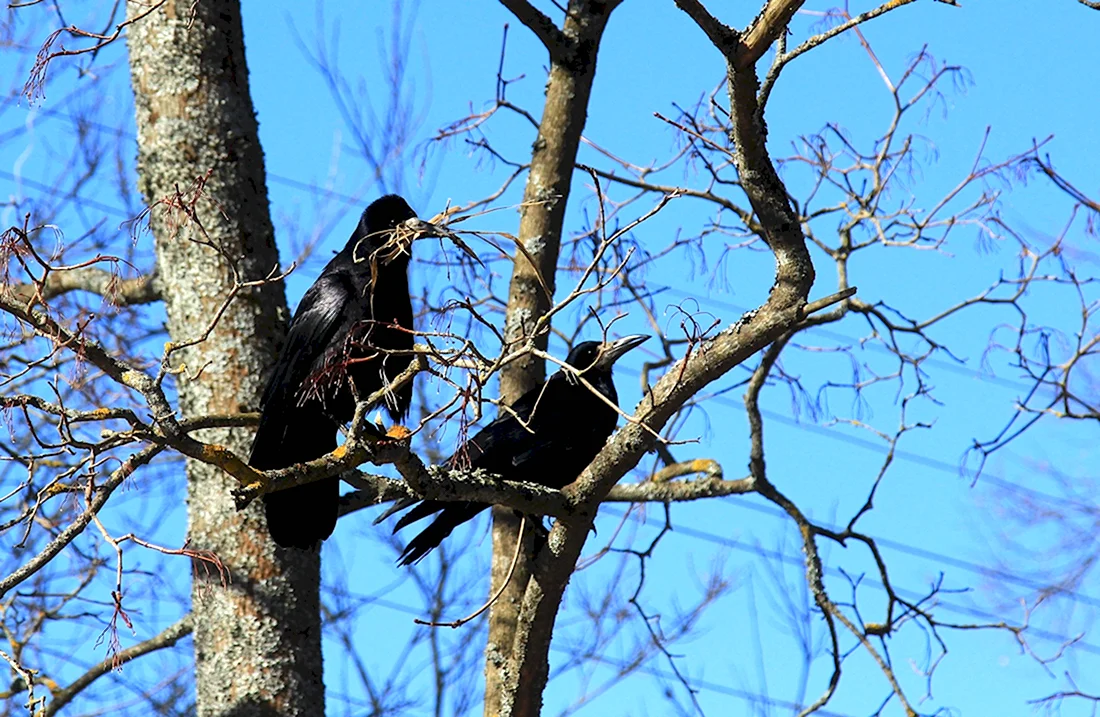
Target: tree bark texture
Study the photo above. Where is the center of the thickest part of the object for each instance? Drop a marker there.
(554, 156)
(258, 636)
(523, 676)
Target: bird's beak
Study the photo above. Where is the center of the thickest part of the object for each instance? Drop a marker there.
(422, 229)
(613, 350)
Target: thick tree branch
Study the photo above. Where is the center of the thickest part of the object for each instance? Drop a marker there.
(530, 295)
(722, 36)
(764, 30)
(677, 491)
(120, 292)
(783, 310)
(551, 36)
(439, 483)
(671, 471)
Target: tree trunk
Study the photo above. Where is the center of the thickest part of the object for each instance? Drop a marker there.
(258, 637)
(572, 71)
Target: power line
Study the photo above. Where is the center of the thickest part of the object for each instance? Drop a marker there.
(908, 456)
(274, 177)
(927, 462)
(844, 338)
(900, 454)
(84, 201)
(774, 416)
(696, 684)
(910, 595)
(702, 685)
(926, 554)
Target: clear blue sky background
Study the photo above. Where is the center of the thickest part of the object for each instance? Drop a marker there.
(1031, 70)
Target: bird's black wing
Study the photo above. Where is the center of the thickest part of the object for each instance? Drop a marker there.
(288, 433)
(310, 335)
(484, 450)
(494, 448)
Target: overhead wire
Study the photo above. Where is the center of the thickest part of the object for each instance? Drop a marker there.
(914, 458)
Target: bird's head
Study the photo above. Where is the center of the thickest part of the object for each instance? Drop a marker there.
(388, 228)
(601, 356)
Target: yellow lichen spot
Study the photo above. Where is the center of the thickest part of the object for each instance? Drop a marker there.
(704, 465)
(340, 451)
(212, 451)
(876, 628)
(399, 433)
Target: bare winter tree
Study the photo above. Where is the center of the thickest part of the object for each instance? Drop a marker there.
(104, 403)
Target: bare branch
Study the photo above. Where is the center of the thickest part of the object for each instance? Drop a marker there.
(1064, 184)
(678, 491)
(167, 638)
(33, 87)
(98, 498)
(768, 25)
(556, 42)
(782, 59)
(722, 36)
(120, 292)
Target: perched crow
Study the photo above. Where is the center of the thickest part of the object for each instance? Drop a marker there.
(335, 351)
(566, 426)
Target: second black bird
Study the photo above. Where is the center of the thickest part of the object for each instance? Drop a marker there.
(339, 346)
(564, 425)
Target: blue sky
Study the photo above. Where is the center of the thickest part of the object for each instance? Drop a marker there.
(1025, 78)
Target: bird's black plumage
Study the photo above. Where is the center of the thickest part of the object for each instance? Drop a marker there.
(566, 426)
(358, 310)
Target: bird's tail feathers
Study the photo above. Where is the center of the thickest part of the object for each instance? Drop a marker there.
(301, 516)
(421, 511)
(398, 506)
(453, 515)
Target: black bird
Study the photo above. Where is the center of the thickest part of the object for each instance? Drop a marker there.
(336, 349)
(566, 426)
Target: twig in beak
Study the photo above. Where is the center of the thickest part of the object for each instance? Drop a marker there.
(428, 229)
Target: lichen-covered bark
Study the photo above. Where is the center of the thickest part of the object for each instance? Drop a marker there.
(554, 156)
(257, 638)
(524, 674)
